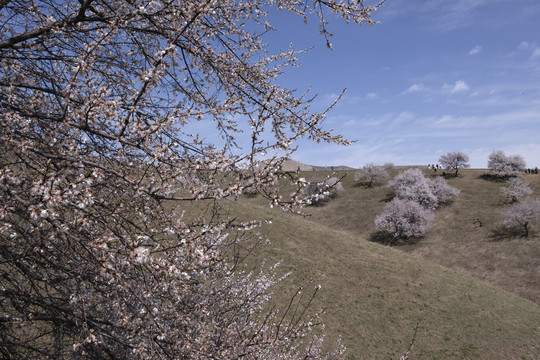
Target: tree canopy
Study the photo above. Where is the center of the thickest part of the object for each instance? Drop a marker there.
(505, 165)
(455, 161)
(100, 102)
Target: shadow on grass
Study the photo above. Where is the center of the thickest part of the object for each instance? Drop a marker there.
(366, 185)
(505, 233)
(389, 197)
(494, 178)
(385, 238)
(444, 174)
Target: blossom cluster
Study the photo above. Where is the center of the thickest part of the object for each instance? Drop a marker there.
(411, 212)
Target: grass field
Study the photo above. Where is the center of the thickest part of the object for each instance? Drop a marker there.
(472, 291)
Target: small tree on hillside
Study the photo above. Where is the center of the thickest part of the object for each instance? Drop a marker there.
(505, 166)
(455, 161)
(371, 174)
(388, 166)
(442, 190)
(523, 215)
(404, 219)
(516, 189)
(412, 185)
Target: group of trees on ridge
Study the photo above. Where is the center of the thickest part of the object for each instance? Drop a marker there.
(410, 212)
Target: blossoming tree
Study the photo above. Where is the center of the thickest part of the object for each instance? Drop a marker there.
(523, 215)
(404, 219)
(371, 174)
(455, 161)
(516, 188)
(505, 165)
(100, 256)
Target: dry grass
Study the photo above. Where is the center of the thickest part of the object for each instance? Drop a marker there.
(467, 235)
(375, 295)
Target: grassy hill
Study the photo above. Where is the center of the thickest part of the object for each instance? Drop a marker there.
(472, 291)
(467, 236)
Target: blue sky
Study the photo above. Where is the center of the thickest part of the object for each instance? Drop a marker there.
(434, 76)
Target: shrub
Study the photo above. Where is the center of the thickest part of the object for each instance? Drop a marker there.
(251, 191)
(412, 185)
(455, 161)
(516, 189)
(388, 166)
(371, 174)
(404, 219)
(523, 215)
(505, 166)
(442, 191)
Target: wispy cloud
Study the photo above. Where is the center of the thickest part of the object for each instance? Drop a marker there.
(530, 47)
(526, 46)
(415, 88)
(458, 87)
(372, 96)
(476, 50)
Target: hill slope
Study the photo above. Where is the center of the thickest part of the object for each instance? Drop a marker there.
(376, 295)
(467, 235)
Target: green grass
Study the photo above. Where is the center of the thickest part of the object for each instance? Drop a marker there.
(463, 285)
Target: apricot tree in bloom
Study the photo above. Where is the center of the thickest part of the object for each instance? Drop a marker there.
(371, 174)
(444, 192)
(101, 255)
(411, 184)
(505, 165)
(523, 215)
(455, 161)
(516, 188)
(404, 219)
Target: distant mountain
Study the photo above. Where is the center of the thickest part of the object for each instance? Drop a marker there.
(293, 165)
(333, 168)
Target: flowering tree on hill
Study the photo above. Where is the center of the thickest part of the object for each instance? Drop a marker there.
(517, 188)
(411, 211)
(523, 215)
(444, 192)
(100, 256)
(455, 161)
(505, 165)
(371, 174)
(412, 185)
(404, 219)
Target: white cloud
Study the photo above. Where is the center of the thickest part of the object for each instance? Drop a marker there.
(531, 47)
(372, 96)
(459, 86)
(525, 45)
(476, 50)
(415, 88)
(403, 117)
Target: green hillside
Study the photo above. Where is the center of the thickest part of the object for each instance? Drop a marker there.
(375, 295)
